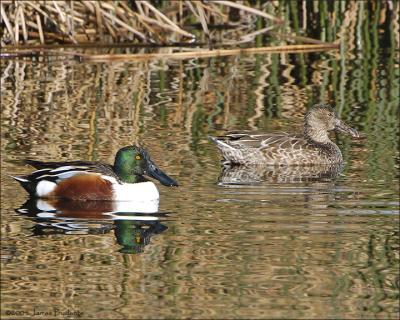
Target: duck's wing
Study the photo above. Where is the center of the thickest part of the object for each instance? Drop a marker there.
(260, 148)
(56, 168)
(263, 141)
(58, 171)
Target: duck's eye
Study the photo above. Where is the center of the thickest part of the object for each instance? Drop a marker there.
(137, 157)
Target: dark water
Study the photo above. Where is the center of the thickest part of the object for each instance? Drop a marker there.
(277, 244)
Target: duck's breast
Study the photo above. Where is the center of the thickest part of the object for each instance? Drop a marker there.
(143, 191)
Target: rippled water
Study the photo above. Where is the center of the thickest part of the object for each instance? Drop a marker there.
(225, 244)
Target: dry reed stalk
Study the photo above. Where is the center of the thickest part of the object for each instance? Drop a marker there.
(149, 28)
(70, 31)
(208, 53)
(91, 8)
(139, 6)
(202, 18)
(34, 6)
(37, 51)
(24, 29)
(135, 19)
(180, 12)
(7, 22)
(141, 17)
(132, 15)
(159, 21)
(123, 16)
(39, 24)
(16, 24)
(122, 24)
(250, 36)
(99, 19)
(156, 22)
(248, 9)
(79, 11)
(127, 15)
(72, 17)
(167, 20)
(110, 29)
(61, 14)
(212, 9)
(122, 13)
(65, 15)
(191, 8)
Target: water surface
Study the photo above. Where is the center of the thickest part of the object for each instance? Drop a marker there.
(256, 244)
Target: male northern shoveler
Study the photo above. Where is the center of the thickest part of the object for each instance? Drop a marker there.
(312, 147)
(82, 180)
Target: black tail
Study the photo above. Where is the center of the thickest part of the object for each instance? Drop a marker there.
(26, 184)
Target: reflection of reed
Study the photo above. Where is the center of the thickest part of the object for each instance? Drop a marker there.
(294, 95)
(81, 112)
(349, 21)
(262, 77)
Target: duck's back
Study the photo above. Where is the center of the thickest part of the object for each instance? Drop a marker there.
(275, 149)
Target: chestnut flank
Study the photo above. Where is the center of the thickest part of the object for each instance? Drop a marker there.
(84, 187)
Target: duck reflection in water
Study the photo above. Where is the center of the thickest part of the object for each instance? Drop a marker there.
(133, 229)
(315, 183)
(254, 174)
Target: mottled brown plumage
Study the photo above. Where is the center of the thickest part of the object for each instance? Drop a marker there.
(311, 147)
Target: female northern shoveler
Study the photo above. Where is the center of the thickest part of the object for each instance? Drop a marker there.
(81, 180)
(312, 147)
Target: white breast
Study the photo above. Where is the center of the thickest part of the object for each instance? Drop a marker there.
(143, 191)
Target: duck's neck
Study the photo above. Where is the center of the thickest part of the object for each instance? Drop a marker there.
(321, 139)
(316, 135)
(128, 178)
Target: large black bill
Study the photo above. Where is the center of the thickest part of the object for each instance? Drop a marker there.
(153, 171)
(341, 126)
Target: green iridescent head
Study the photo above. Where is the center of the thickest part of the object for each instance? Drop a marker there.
(132, 163)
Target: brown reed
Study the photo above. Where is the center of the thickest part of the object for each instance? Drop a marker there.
(48, 22)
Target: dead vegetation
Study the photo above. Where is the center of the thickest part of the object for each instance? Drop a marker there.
(145, 22)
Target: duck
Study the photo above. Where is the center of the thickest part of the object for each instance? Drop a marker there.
(86, 181)
(312, 147)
